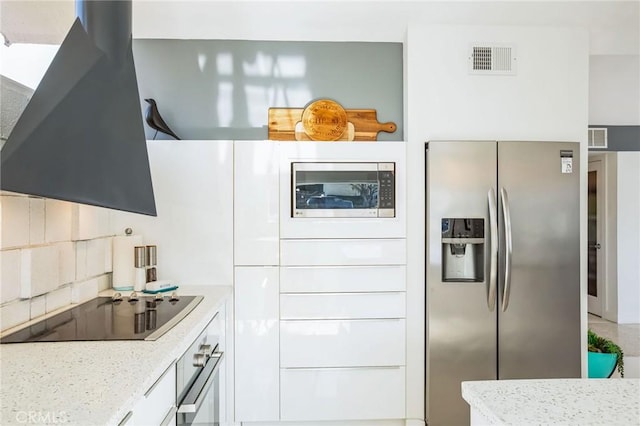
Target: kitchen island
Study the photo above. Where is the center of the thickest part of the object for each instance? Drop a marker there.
(554, 402)
(94, 382)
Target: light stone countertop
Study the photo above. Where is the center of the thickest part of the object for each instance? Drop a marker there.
(556, 401)
(94, 383)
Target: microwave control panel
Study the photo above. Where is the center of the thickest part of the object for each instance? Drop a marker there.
(386, 190)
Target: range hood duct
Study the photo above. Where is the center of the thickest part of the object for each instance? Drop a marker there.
(81, 136)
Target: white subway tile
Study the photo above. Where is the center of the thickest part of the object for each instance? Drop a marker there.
(40, 270)
(58, 298)
(81, 260)
(38, 306)
(10, 275)
(90, 222)
(67, 262)
(108, 259)
(84, 290)
(104, 282)
(36, 221)
(14, 313)
(15, 221)
(57, 221)
(96, 256)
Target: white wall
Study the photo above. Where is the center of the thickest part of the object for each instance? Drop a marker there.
(628, 241)
(612, 25)
(193, 232)
(546, 100)
(614, 89)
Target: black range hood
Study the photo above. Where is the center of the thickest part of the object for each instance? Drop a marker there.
(81, 136)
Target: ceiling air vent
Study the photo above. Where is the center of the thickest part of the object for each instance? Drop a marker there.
(492, 59)
(597, 137)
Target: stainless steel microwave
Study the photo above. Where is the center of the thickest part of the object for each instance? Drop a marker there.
(335, 189)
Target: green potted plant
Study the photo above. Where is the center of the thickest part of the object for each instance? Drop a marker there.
(603, 357)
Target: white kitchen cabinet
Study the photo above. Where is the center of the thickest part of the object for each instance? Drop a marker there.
(256, 207)
(343, 252)
(342, 343)
(342, 306)
(342, 353)
(343, 393)
(336, 279)
(158, 405)
(320, 303)
(257, 375)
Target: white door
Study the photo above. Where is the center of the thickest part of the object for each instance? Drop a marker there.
(595, 252)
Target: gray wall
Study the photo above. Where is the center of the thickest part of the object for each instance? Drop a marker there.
(621, 138)
(222, 89)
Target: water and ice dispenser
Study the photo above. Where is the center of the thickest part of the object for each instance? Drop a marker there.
(463, 250)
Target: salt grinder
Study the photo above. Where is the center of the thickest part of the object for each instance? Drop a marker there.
(152, 260)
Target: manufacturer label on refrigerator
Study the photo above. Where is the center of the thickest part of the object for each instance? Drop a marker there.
(566, 161)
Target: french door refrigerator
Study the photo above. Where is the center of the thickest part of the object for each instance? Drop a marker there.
(502, 266)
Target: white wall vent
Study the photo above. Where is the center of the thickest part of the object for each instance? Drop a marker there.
(492, 59)
(597, 137)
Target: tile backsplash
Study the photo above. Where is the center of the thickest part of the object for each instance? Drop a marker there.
(53, 253)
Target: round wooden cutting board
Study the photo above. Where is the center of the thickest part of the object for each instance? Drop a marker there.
(324, 120)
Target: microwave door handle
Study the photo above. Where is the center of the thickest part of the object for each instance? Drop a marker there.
(192, 402)
(508, 245)
(493, 269)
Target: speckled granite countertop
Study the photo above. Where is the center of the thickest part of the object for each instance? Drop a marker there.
(556, 401)
(94, 383)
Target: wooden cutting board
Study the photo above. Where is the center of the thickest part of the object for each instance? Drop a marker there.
(283, 121)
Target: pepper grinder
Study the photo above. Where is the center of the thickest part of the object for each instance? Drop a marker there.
(152, 259)
(139, 261)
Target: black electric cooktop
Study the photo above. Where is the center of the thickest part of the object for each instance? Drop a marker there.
(104, 318)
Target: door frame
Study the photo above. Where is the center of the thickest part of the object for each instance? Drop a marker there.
(600, 161)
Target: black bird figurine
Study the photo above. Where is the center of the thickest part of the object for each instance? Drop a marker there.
(155, 121)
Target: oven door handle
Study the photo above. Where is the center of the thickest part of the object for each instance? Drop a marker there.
(194, 398)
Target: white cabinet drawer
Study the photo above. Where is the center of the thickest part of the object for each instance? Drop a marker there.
(342, 343)
(343, 252)
(342, 394)
(342, 305)
(157, 402)
(335, 279)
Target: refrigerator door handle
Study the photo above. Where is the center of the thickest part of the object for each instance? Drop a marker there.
(508, 248)
(493, 270)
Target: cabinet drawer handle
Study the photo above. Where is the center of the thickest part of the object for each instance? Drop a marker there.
(171, 415)
(375, 367)
(153, 386)
(126, 418)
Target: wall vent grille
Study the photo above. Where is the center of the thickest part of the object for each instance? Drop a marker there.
(597, 138)
(492, 59)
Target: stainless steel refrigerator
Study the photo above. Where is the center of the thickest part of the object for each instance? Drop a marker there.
(502, 266)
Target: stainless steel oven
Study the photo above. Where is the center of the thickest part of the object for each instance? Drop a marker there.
(198, 381)
(343, 189)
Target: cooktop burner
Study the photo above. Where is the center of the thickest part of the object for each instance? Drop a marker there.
(106, 318)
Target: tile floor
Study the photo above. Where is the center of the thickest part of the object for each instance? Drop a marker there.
(627, 336)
